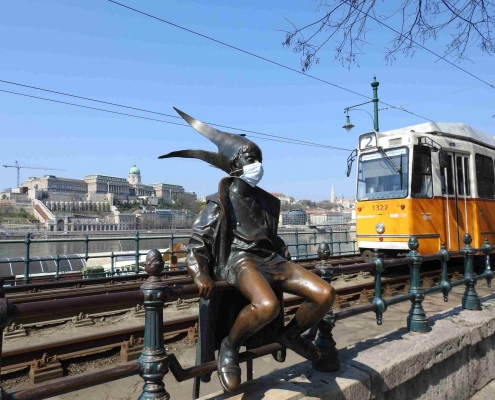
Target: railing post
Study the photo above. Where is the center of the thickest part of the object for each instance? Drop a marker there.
(86, 248)
(153, 359)
(445, 283)
(57, 267)
(487, 249)
(381, 306)
(136, 239)
(470, 299)
(330, 241)
(27, 261)
(417, 320)
(171, 245)
(296, 234)
(112, 264)
(329, 360)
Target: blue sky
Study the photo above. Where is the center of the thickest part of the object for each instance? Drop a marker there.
(99, 50)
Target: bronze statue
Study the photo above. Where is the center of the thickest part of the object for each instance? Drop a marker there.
(235, 239)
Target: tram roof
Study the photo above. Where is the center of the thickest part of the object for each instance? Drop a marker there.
(448, 128)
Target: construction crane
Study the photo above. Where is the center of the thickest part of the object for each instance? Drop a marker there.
(23, 166)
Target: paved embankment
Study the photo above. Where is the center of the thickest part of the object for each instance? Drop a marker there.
(454, 361)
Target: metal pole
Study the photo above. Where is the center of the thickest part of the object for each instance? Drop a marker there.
(487, 249)
(136, 239)
(470, 299)
(381, 306)
(416, 321)
(297, 243)
(374, 85)
(86, 247)
(154, 359)
(27, 261)
(445, 283)
(57, 267)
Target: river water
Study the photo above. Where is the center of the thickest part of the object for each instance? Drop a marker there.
(305, 239)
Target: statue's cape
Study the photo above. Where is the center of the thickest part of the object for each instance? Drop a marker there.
(217, 315)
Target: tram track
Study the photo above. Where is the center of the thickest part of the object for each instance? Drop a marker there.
(37, 292)
(100, 342)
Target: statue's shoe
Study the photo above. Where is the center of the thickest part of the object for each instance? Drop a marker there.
(229, 372)
(300, 345)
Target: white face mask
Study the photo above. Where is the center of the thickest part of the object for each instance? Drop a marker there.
(252, 173)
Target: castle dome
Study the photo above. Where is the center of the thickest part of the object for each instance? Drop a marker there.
(135, 170)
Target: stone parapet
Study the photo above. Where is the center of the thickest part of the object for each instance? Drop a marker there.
(453, 361)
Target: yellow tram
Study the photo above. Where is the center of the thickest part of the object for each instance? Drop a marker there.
(434, 181)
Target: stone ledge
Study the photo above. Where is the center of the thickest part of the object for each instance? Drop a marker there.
(453, 361)
(262, 389)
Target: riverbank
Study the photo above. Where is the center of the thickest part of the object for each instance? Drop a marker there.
(35, 235)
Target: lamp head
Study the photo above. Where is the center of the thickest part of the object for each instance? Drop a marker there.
(348, 125)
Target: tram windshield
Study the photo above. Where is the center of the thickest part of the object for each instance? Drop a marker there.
(381, 177)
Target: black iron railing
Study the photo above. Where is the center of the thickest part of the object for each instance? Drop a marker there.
(299, 243)
(154, 362)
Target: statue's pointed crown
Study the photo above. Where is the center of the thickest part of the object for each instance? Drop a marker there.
(228, 144)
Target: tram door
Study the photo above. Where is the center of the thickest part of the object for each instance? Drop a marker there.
(456, 190)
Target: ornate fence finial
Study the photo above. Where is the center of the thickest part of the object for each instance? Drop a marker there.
(381, 306)
(417, 320)
(153, 359)
(445, 282)
(487, 249)
(470, 299)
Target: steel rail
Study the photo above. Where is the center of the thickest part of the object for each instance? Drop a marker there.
(69, 348)
(178, 277)
(75, 383)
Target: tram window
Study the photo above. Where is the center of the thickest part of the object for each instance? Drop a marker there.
(468, 180)
(484, 176)
(450, 176)
(379, 178)
(460, 175)
(422, 182)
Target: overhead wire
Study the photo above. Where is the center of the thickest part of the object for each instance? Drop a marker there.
(150, 111)
(257, 56)
(279, 138)
(91, 108)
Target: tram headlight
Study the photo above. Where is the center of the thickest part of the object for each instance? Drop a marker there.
(380, 228)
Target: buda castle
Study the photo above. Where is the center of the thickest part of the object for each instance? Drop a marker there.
(104, 188)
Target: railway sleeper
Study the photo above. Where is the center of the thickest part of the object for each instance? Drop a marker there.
(45, 369)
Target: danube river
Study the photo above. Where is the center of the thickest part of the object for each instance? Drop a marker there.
(306, 239)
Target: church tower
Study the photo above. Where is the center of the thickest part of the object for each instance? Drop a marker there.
(134, 175)
(332, 196)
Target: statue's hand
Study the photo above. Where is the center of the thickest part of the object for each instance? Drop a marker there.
(206, 285)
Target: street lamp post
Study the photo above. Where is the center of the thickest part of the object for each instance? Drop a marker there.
(348, 125)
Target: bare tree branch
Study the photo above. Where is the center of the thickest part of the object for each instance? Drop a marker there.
(465, 23)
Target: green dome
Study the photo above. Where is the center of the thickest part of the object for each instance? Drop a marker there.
(135, 170)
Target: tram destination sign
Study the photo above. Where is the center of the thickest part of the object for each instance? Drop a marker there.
(367, 141)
